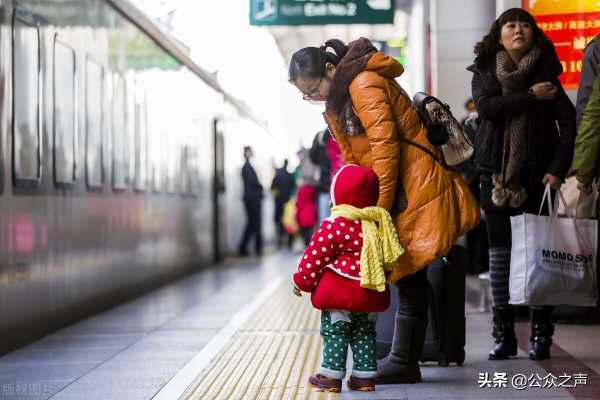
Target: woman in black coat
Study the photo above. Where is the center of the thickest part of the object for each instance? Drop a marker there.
(525, 140)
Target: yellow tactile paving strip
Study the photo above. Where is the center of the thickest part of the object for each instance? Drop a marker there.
(271, 357)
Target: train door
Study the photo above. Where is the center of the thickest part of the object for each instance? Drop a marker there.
(218, 192)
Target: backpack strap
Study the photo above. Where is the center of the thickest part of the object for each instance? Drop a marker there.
(426, 150)
(419, 101)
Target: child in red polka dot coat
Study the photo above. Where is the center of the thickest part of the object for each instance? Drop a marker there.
(344, 270)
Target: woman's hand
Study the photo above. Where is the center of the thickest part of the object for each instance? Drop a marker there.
(544, 90)
(554, 181)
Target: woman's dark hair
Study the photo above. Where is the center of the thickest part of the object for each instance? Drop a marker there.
(486, 50)
(310, 62)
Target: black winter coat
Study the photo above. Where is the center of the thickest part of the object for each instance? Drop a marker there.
(285, 184)
(318, 155)
(551, 124)
(253, 190)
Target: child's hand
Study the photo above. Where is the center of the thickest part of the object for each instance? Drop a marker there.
(296, 291)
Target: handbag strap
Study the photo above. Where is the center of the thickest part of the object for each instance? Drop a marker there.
(426, 150)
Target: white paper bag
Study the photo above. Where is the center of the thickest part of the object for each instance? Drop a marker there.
(553, 260)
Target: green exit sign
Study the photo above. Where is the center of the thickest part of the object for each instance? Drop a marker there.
(321, 12)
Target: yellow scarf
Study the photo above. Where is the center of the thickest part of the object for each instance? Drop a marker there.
(381, 247)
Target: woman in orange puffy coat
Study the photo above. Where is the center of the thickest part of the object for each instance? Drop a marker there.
(375, 125)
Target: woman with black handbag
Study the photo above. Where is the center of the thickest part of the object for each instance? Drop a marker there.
(525, 141)
(375, 125)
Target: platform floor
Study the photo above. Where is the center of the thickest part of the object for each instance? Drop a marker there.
(237, 332)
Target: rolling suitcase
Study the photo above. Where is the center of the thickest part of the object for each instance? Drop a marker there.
(445, 336)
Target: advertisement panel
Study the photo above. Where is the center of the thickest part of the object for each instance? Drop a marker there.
(571, 25)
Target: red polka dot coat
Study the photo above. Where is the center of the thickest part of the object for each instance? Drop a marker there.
(330, 269)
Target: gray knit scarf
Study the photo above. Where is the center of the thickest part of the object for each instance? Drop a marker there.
(513, 78)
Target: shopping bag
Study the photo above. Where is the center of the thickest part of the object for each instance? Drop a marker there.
(581, 205)
(553, 260)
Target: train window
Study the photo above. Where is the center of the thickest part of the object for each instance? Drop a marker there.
(197, 145)
(94, 124)
(27, 105)
(119, 133)
(107, 124)
(194, 170)
(174, 156)
(157, 141)
(185, 168)
(219, 158)
(129, 137)
(141, 142)
(64, 113)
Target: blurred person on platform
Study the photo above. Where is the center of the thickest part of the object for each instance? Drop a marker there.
(282, 188)
(318, 155)
(334, 154)
(306, 197)
(471, 111)
(253, 196)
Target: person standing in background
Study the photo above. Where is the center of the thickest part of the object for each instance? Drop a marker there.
(335, 155)
(587, 144)
(471, 112)
(476, 239)
(282, 187)
(585, 160)
(253, 195)
(306, 198)
(524, 142)
(589, 72)
(318, 155)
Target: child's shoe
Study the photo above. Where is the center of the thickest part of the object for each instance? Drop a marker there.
(327, 384)
(361, 384)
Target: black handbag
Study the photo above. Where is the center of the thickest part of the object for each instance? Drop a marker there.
(443, 130)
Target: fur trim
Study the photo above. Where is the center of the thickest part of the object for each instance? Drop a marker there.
(517, 198)
(353, 63)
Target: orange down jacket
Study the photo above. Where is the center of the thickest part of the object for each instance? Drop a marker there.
(440, 205)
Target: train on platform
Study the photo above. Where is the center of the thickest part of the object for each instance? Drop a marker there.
(112, 161)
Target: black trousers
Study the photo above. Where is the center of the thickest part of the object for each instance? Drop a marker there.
(253, 228)
(306, 233)
(412, 295)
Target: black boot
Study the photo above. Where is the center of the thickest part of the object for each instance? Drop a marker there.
(402, 364)
(542, 330)
(504, 333)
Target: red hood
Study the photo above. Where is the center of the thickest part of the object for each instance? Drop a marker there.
(356, 186)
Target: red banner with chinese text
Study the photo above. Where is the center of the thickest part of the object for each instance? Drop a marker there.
(570, 25)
